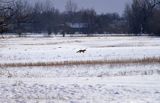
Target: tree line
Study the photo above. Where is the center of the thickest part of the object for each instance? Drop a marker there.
(20, 17)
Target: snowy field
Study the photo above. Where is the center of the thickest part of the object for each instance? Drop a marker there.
(80, 83)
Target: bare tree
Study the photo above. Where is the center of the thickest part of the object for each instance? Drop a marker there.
(49, 16)
(6, 13)
(22, 11)
(88, 16)
(45, 17)
(12, 14)
(139, 13)
(71, 7)
(147, 7)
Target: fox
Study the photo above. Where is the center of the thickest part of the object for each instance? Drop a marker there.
(81, 51)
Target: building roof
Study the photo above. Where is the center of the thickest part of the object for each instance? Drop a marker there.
(77, 25)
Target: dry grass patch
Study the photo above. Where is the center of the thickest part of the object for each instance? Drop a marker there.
(151, 60)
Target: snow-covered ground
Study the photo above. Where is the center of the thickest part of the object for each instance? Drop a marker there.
(81, 90)
(96, 83)
(60, 49)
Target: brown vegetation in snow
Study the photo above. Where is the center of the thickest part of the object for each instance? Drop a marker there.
(152, 60)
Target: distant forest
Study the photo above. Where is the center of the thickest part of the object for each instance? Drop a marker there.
(18, 16)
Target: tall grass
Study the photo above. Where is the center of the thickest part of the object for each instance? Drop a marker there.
(147, 60)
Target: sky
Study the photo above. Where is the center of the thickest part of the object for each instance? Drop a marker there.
(101, 6)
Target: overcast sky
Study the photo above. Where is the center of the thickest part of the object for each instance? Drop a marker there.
(101, 6)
